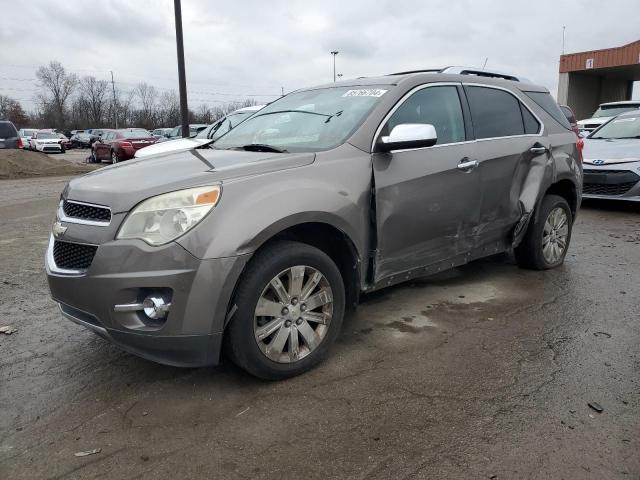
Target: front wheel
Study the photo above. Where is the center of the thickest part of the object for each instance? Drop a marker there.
(290, 308)
(547, 239)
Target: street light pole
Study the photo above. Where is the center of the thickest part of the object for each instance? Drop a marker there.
(182, 81)
(334, 53)
(115, 104)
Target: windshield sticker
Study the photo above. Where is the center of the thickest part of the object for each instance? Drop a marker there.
(365, 92)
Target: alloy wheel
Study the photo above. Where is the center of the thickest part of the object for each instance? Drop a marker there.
(555, 235)
(114, 157)
(293, 314)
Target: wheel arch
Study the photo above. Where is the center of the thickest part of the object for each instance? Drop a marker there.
(325, 236)
(566, 189)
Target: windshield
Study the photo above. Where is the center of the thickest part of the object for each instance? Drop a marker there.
(308, 121)
(136, 134)
(47, 135)
(613, 110)
(28, 133)
(626, 127)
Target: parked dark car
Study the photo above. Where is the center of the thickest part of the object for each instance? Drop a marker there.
(256, 243)
(83, 140)
(118, 145)
(9, 137)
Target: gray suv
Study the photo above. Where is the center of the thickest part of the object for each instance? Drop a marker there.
(254, 245)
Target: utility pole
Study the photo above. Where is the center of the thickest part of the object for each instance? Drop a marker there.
(563, 29)
(334, 53)
(182, 81)
(115, 105)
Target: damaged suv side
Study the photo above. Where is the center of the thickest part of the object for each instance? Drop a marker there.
(256, 244)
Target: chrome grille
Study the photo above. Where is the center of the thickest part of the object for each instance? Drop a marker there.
(73, 256)
(84, 211)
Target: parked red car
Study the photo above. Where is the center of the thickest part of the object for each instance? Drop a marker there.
(118, 145)
(65, 142)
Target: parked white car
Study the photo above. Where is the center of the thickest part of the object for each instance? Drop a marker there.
(604, 113)
(46, 141)
(25, 135)
(208, 135)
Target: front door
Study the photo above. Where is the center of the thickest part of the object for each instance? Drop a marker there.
(427, 199)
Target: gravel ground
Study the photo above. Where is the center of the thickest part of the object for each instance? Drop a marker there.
(483, 372)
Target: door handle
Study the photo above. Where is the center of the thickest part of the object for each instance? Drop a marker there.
(538, 150)
(466, 164)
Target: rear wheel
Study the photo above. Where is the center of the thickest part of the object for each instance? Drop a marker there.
(290, 308)
(114, 157)
(547, 239)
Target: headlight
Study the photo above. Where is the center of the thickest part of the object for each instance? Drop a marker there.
(159, 220)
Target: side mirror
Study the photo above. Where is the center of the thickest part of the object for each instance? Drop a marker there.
(583, 134)
(408, 135)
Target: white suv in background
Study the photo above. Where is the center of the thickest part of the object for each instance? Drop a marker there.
(605, 112)
(207, 135)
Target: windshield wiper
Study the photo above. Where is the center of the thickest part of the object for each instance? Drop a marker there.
(262, 147)
(293, 111)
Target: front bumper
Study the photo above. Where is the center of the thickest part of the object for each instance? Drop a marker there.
(123, 271)
(619, 181)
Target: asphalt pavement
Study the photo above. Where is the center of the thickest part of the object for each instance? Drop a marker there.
(486, 371)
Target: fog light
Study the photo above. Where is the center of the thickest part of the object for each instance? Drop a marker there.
(155, 307)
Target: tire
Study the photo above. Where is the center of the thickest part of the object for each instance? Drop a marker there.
(282, 260)
(114, 157)
(554, 212)
(93, 158)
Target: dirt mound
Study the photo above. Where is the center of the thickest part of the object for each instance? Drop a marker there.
(22, 164)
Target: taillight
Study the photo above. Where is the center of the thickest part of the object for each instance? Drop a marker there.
(126, 144)
(19, 143)
(580, 145)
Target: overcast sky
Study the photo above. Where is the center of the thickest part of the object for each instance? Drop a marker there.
(255, 47)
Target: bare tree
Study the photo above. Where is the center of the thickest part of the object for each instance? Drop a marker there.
(94, 95)
(204, 114)
(168, 114)
(58, 86)
(11, 110)
(147, 96)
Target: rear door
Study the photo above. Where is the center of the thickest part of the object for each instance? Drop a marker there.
(427, 199)
(508, 138)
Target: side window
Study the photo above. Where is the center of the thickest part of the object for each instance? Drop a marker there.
(438, 106)
(531, 125)
(495, 113)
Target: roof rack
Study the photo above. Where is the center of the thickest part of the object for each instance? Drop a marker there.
(466, 71)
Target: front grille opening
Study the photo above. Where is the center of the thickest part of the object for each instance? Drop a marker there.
(86, 212)
(73, 256)
(606, 189)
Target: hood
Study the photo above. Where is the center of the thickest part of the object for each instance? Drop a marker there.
(47, 140)
(594, 121)
(178, 145)
(611, 151)
(124, 185)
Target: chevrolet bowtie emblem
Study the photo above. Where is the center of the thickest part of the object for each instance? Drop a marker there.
(58, 229)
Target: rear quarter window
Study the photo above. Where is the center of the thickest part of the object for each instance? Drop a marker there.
(495, 113)
(545, 101)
